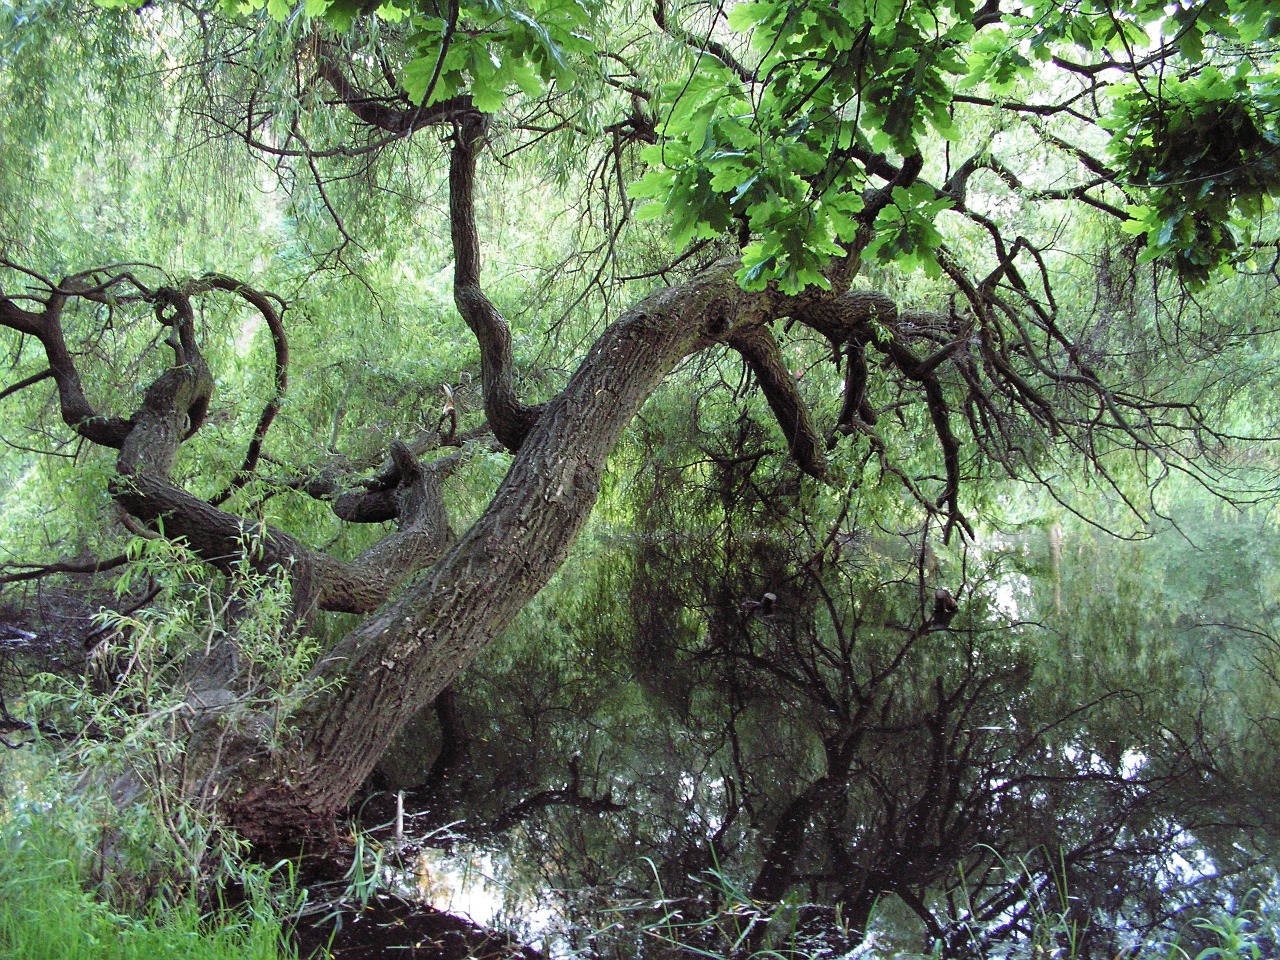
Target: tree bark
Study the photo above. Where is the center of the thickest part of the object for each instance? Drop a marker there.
(402, 657)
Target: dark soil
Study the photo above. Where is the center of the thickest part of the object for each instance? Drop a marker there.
(393, 927)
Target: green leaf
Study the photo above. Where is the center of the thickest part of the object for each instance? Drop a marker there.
(417, 74)
(744, 16)
(756, 270)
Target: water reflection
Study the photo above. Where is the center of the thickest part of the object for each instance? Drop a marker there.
(465, 882)
(651, 765)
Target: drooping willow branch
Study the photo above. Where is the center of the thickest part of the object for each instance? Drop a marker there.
(271, 317)
(174, 408)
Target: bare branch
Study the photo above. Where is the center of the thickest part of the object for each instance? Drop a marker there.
(511, 420)
(275, 325)
(25, 382)
(37, 571)
(763, 355)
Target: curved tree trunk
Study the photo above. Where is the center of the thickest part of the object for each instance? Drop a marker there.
(402, 657)
(467, 590)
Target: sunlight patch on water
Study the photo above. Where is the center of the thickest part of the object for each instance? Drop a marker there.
(468, 883)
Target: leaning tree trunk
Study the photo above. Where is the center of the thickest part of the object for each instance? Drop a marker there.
(397, 661)
(466, 591)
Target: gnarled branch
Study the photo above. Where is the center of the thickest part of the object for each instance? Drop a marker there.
(510, 419)
(763, 355)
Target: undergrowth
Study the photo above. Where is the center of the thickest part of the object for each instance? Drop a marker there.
(55, 904)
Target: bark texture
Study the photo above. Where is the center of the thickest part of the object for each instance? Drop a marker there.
(402, 657)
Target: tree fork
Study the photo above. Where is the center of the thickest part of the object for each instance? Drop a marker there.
(400, 659)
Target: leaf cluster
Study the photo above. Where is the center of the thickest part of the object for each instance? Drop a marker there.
(1208, 149)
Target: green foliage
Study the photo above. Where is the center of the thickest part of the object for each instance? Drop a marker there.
(131, 726)
(782, 147)
(1120, 27)
(484, 49)
(905, 231)
(776, 157)
(895, 57)
(93, 164)
(502, 46)
(1209, 150)
(1236, 934)
(106, 848)
(54, 873)
(845, 80)
(153, 650)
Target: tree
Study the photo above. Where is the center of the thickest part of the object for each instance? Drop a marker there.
(796, 157)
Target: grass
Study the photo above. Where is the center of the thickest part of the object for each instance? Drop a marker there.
(49, 911)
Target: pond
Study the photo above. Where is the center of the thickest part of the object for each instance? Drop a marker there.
(820, 739)
(1074, 756)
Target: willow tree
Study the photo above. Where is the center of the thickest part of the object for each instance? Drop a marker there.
(796, 153)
